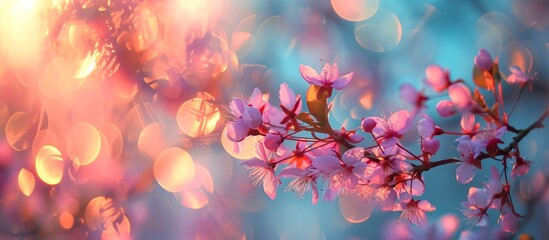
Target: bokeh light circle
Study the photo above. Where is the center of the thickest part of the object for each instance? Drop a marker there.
(26, 182)
(19, 130)
(174, 169)
(355, 10)
(515, 54)
(354, 209)
(242, 150)
(197, 117)
(198, 194)
(83, 143)
(49, 165)
(380, 33)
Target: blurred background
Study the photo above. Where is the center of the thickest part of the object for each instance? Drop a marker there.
(112, 111)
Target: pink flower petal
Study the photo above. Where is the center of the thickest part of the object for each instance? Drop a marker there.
(400, 121)
(461, 96)
(272, 141)
(236, 131)
(509, 222)
(426, 127)
(269, 184)
(465, 173)
(445, 108)
(425, 206)
(310, 75)
(437, 78)
(252, 117)
(430, 145)
(287, 96)
(291, 172)
(327, 164)
(468, 122)
(343, 81)
(483, 60)
(255, 163)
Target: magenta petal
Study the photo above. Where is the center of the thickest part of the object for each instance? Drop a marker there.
(461, 96)
(483, 60)
(287, 96)
(255, 163)
(310, 75)
(465, 173)
(445, 108)
(408, 93)
(315, 194)
(509, 222)
(343, 81)
(272, 141)
(291, 172)
(326, 164)
(400, 121)
(426, 127)
(425, 206)
(269, 184)
(252, 117)
(236, 131)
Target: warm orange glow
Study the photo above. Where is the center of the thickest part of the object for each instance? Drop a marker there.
(198, 116)
(152, 140)
(243, 150)
(355, 10)
(66, 220)
(198, 194)
(83, 143)
(19, 130)
(100, 214)
(26, 182)
(354, 209)
(49, 165)
(174, 169)
(121, 232)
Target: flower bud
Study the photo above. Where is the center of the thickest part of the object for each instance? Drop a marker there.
(445, 108)
(368, 124)
(483, 60)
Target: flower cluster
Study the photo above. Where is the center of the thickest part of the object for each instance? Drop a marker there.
(305, 148)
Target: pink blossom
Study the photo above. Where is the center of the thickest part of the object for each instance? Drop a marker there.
(328, 77)
(469, 151)
(426, 127)
(443, 229)
(491, 137)
(388, 132)
(273, 139)
(430, 145)
(350, 136)
(483, 60)
(263, 170)
(518, 76)
(304, 180)
(247, 115)
(290, 104)
(461, 97)
(437, 78)
(468, 123)
(299, 158)
(413, 97)
(368, 124)
(521, 167)
(414, 210)
(508, 222)
(475, 208)
(345, 173)
(446, 108)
